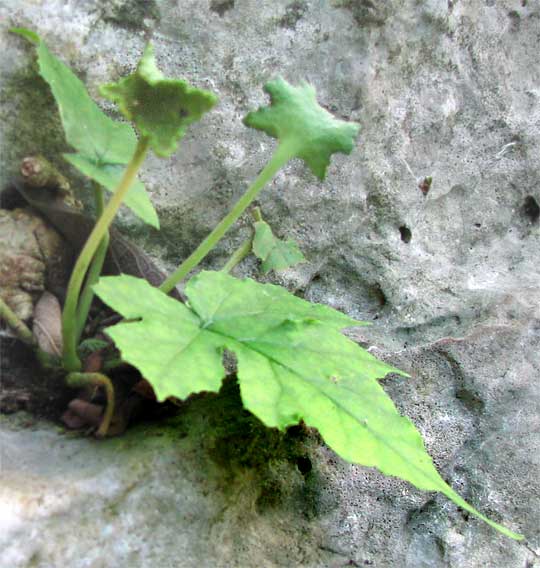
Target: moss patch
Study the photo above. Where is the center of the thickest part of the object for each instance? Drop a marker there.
(234, 438)
(30, 121)
(277, 464)
(366, 12)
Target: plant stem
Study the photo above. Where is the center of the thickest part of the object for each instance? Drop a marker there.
(238, 255)
(100, 380)
(94, 272)
(256, 214)
(245, 248)
(22, 331)
(16, 324)
(69, 316)
(281, 156)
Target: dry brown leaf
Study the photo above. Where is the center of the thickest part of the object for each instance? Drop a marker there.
(47, 327)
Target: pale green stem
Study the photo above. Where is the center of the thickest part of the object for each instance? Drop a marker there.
(238, 255)
(256, 214)
(99, 380)
(16, 324)
(22, 331)
(94, 271)
(245, 248)
(281, 156)
(69, 316)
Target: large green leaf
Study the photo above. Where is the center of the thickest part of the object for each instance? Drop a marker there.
(297, 120)
(293, 364)
(161, 108)
(274, 253)
(104, 146)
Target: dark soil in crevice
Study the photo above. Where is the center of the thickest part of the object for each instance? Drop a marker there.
(24, 385)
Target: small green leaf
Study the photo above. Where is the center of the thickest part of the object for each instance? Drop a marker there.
(28, 34)
(104, 146)
(109, 175)
(274, 253)
(297, 120)
(293, 364)
(161, 108)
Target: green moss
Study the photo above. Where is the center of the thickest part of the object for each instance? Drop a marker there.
(234, 438)
(30, 121)
(221, 6)
(275, 465)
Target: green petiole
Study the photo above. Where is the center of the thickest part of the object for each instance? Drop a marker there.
(282, 155)
(238, 255)
(94, 271)
(70, 358)
(16, 324)
(244, 249)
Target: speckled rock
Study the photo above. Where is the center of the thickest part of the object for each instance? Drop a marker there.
(447, 273)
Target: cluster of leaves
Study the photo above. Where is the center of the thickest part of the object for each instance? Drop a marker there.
(293, 361)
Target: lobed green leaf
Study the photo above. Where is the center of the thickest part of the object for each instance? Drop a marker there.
(104, 146)
(297, 120)
(274, 253)
(179, 349)
(293, 364)
(161, 108)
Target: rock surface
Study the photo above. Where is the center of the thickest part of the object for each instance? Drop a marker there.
(29, 250)
(450, 277)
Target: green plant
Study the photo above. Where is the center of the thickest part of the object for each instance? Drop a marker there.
(293, 362)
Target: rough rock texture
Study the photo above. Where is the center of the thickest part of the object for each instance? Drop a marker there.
(29, 251)
(442, 89)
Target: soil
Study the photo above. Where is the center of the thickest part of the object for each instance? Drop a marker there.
(24, 385)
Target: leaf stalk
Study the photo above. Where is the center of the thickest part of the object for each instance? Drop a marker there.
(238, 255)
(69, 316)
(16, 324)
(96, 266)
(281, 156)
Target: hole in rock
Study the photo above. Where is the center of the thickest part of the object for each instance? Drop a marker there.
(530, 209)
(470, 400)
(304, 465)
(405, 233)
(377, 294)
(221, 6)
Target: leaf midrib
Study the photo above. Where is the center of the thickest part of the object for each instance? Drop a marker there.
(337, 403)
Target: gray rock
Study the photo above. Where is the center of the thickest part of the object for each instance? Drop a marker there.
(450, 279)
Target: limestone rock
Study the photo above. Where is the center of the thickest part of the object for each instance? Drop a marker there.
(449, 275)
